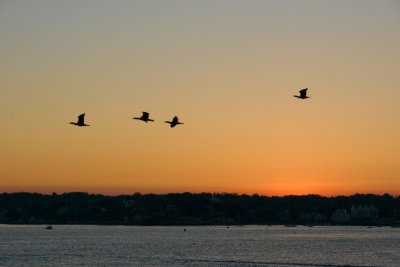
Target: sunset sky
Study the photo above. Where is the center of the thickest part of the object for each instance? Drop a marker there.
(227, 69)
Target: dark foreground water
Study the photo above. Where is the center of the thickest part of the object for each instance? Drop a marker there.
(278, 246)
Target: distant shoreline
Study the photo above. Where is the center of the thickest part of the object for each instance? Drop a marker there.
(198, 209)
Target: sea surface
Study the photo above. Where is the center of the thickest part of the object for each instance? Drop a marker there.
(272, 246)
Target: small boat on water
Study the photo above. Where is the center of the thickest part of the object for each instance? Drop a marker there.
(49, 227)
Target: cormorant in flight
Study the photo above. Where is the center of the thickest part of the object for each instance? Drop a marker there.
(303, 94)
(81, 121)
(145, 117)
(174, 122)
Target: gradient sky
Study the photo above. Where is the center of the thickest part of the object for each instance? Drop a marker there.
(228, 69)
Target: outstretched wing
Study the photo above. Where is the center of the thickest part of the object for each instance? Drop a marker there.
(81, 119)
(303, 92)
(145, 115)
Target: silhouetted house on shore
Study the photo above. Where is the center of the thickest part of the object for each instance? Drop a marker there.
(340, 216)
(129, 204)
(284, 216)
(62, 210)
(215, 199)
(396, 213)
(364, 212)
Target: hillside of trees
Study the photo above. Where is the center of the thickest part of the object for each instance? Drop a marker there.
(197, 209)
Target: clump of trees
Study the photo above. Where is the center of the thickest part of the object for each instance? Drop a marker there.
(186, 208)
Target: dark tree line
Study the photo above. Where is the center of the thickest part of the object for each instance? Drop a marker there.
(188, 208)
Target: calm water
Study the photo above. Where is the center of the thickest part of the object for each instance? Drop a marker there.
(278, 246)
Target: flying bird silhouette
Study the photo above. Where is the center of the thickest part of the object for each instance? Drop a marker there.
(174, 122)
(145, 117)
(303, 94)
(81, 121)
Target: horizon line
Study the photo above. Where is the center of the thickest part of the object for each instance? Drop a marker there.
(215, 192)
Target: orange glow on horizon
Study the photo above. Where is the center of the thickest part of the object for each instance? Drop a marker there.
(248, 191)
